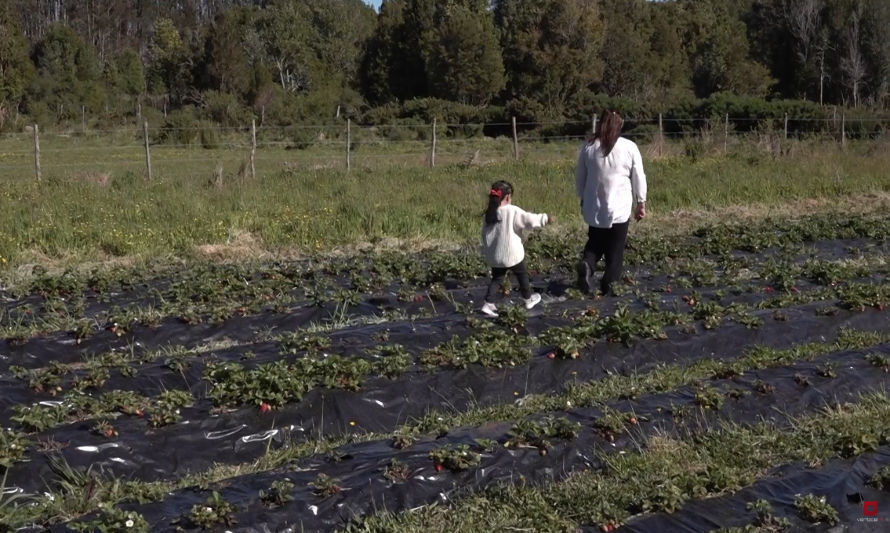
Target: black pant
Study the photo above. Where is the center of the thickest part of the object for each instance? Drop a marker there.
(498, 274)
(608, 242)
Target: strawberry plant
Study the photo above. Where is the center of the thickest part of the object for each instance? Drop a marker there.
(881, 480)
(127, 402)
(325, 486)
(103, 428)
(708, 398)
(486, 445)
(13, 446)
(513, 317)
(766, 520)
(394, 360)
(403, 439)
(455, 458)
(94, 379)
(165, 410)
(309, 342)
(278, 494)
(564, 342)
(816, 509)
(397, 471)
(827, 371)
(437, 292)
(114, 519)
(801, 380)
(878, 360)
(528, 433)
(610, 423)
(763, 387)
(214, 512)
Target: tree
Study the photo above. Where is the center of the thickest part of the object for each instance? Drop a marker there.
(68, 74)
(464, 60)
(853, 63)
(16, 70)
(549, 50)
(718, 49)
(125, 73)
(171, 63)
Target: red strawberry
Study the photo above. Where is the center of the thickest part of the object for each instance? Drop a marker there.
(667, 289)
(551, 355)
(438, 468)
(264, 407)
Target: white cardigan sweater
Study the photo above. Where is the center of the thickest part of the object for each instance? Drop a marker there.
(502, 242)
(608, 186)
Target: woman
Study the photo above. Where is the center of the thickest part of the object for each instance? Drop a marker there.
(609, 178)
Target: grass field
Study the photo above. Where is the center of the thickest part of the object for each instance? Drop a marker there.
(103, 212)
(303, 351)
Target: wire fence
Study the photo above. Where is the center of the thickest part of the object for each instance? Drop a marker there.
(252, 150)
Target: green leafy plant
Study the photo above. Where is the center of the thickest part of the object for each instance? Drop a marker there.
(13, 446)
(214, 512)
(881, 480)
(165, 410)
(816, 509)
(766, 519)
(397, 471)
(325, 486)
(878, 360)
(708, 398)
(104, 428)
(114, 519)
(455, 458)
(278, 494)
(513, 317)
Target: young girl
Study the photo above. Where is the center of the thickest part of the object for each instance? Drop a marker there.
(503, 227)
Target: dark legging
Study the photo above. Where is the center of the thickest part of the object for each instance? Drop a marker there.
(497, 277)
(608, 242)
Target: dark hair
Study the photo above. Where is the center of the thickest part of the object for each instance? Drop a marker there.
(499, 190)
(608, 129)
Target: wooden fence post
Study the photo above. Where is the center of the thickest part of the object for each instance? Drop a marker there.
(348, 142)
(83, 119)
(253, 149)
(147, 152)
(725, 132)
(515, 141)
(433, 149)
(786, 126)
(593, 125)
(37, 152)
(843, 130)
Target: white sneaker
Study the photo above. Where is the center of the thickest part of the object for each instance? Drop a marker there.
(489, 309)
(533, 300)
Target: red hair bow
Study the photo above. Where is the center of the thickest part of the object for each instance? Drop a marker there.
(496, 193)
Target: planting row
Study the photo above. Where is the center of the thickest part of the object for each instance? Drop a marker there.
(320, 492)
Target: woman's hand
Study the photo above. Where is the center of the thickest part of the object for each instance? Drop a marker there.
(641, 211)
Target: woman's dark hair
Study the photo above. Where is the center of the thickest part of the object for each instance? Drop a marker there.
(499, 190)
(608, 130)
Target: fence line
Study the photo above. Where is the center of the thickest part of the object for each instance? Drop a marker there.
(354, 139)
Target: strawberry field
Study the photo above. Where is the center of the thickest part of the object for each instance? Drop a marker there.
(737, 382)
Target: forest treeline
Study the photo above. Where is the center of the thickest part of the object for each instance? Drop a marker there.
(299, 61)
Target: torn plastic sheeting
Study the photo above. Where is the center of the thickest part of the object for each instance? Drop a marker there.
(842, 482)
(360, 470)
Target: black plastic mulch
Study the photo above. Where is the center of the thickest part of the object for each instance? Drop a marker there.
(358, 468)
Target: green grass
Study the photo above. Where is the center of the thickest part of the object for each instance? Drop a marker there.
(298, 208)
